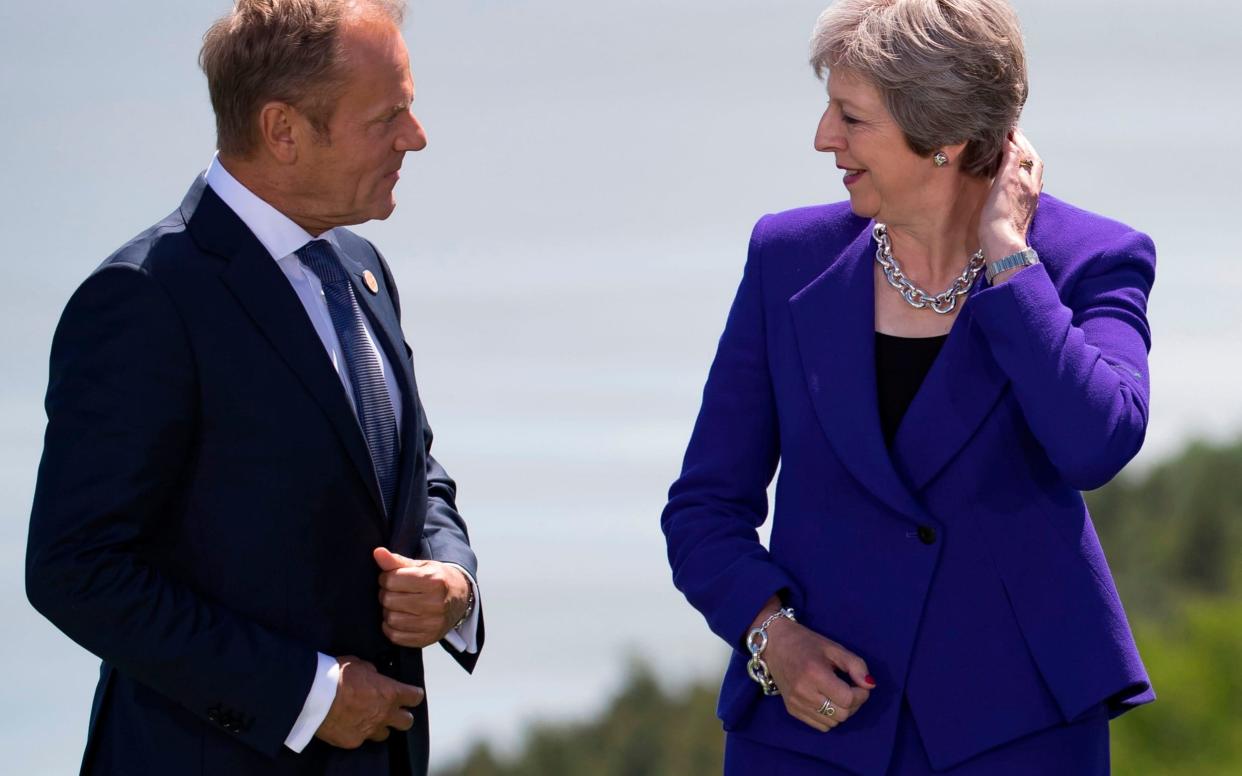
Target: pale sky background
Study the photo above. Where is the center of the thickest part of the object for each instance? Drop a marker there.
(566, 249)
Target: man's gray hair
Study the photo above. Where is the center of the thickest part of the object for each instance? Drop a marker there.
(285, 50)
(951, 71)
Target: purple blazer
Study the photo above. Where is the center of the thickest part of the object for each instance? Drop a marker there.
(961, 565)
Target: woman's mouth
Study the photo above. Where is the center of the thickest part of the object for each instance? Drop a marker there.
(852, 176)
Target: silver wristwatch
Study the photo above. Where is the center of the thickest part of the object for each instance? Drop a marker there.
(1023, 258)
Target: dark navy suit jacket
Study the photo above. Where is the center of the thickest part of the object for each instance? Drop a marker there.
(961, 564)
(206, 506)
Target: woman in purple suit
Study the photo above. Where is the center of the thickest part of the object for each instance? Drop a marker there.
(939, 366)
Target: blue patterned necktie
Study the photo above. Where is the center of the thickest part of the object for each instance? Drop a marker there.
(371, 400)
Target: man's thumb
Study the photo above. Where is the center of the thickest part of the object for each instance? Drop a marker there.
(389, 561)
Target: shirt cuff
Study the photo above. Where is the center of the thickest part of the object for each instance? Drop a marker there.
(465, 637)
(318, 703)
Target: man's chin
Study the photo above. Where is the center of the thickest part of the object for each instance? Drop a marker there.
(382, 212)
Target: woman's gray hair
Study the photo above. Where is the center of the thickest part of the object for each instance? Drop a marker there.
(286, 50)
(950, 71)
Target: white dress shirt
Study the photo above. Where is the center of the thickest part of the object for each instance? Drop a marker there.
(282, 238)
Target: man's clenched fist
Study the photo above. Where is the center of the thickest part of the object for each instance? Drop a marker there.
(422, 599)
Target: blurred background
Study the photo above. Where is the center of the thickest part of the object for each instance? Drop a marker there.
(566, 248)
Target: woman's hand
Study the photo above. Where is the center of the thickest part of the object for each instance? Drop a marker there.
(1010, 206)
(804, 666)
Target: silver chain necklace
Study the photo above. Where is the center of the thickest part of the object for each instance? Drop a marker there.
(942, 303)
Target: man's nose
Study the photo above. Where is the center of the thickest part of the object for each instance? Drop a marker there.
(412, 136)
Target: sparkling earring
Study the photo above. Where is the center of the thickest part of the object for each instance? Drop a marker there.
(939, 159)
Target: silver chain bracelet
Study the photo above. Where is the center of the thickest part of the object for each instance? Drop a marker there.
(756, 642)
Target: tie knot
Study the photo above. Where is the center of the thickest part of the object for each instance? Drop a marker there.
(319, 258)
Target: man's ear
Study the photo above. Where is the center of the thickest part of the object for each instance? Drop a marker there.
(278, 130)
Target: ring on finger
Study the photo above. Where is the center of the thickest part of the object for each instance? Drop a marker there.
(827, 709)
(1027, 164)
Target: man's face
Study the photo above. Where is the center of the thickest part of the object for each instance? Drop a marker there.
(348, 178)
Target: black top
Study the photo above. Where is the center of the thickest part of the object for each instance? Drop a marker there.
(901, 363)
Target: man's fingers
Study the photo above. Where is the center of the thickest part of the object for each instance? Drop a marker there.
(381, 733)
(408, 694)
(423, 622)
(413, 604)
(404, 639)
(419, 578)
(400, 719)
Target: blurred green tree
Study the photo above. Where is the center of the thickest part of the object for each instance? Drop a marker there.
(1195, 727)
(1174, 533)
(644, 732)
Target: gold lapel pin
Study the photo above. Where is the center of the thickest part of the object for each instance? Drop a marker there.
(369, 279)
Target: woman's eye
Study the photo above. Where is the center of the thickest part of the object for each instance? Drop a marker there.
(848, 119)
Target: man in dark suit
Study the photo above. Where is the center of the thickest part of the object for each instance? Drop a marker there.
(237, 508)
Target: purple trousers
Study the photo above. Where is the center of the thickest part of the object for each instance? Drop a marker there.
(1079, 748)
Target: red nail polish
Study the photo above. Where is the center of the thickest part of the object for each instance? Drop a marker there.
(869, 680)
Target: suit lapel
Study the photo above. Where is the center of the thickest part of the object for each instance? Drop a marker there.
(961, 388)
(263, 291)
(834, 324)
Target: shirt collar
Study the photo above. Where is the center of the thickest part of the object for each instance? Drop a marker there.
(276, 231)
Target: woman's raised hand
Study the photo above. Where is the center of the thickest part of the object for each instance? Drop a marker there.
(1010, 206)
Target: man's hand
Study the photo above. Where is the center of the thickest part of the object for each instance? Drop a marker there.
(366, 705)
(422, 599)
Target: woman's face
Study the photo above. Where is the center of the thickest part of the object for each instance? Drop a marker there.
(886, 180)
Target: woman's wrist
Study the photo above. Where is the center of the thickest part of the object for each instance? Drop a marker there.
(772, 606)
(997, 248)
(757, 644)
(997, 245)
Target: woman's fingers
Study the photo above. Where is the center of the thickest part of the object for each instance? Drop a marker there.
(806, 707)
(1026, 152)
(822, 699)
(810, 669)
(853, 665)
(1033, 155)
(813, 719)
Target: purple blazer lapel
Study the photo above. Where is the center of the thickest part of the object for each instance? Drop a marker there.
(834, 325)
(958, 392)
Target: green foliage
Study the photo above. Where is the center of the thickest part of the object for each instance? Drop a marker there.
(1174, 542)
(1195, 726)
(644, 732)
(1176, 533)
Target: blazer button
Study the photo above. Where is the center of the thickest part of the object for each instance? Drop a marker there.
(927, 534)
